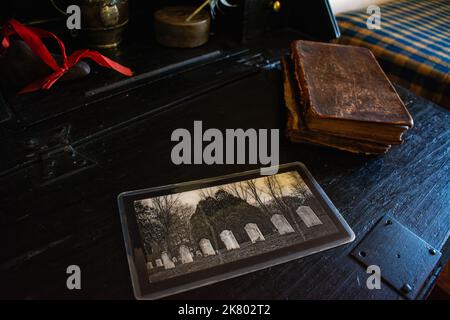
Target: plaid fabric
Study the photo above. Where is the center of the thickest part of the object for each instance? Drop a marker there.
(412, 46)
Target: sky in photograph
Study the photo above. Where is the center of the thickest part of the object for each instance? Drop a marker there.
(286, 179)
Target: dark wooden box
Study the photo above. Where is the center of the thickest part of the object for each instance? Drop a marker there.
(67, 153)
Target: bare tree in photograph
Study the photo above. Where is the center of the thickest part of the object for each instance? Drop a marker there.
(239, 189)
(180, 231)
(164, 216)
(207, 193)
(163, 222)
(301, 191)
(275, 190)
(255, 193)
(299, 188)
(151, 231)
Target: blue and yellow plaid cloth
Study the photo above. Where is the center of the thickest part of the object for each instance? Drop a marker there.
(412, 46)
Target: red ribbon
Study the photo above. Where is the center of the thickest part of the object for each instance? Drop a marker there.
(32, 37)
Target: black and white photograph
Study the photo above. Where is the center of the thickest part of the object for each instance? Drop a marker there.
(188, 235)
(200, 229)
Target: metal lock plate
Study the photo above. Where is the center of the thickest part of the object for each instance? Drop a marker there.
(64, 164)
(405, 260)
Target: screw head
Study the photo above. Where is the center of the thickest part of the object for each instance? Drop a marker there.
(406, 288)
(49, 174)
(432, 251)
(79, 162)
(32, 143)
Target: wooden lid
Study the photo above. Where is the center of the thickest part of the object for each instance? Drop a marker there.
(177, 15)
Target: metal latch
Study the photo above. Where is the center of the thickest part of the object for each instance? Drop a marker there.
(59, 159)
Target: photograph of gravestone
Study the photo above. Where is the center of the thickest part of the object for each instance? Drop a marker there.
(196, 230)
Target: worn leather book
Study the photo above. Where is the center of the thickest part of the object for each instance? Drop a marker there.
(345, 93)
(297, 131)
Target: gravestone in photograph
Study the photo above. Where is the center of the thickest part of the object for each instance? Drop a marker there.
(280, 222)
(229, 240)
(185, 254)
(159, 263)
(207, 248)
(253, 232)
(308, 216)
(168, 264)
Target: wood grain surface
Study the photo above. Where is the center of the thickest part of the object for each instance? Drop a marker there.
(47, 224)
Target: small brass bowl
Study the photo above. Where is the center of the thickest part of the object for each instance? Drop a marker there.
(172, 29)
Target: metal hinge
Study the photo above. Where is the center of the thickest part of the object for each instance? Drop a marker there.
(258, 60)
(57, 157)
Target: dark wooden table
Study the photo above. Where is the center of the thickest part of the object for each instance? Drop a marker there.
(65, 156)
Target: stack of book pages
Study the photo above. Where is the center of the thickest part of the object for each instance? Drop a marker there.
(338, 96)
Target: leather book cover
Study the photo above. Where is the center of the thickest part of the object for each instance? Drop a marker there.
(298, 132)
(346, 92)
